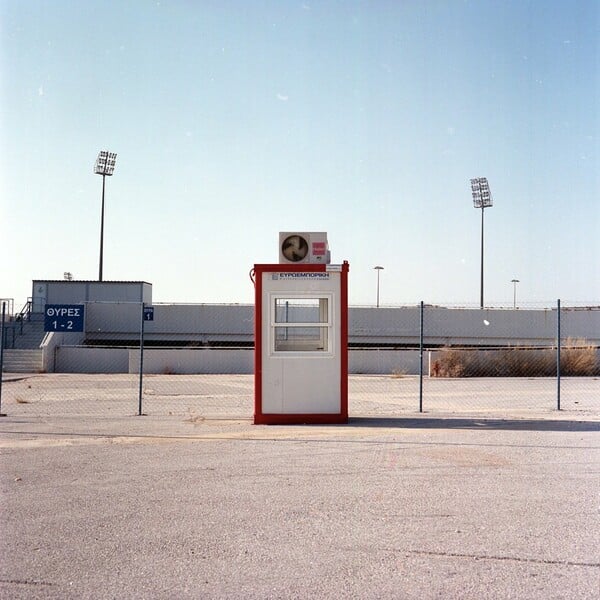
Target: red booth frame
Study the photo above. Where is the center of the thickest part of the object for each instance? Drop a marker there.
(261, 418)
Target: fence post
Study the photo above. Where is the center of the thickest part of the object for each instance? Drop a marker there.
(421, 358)
(558, 355)
(140, 395)
(2, 353)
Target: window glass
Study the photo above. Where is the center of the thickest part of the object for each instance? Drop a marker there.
(301, 324)
(301, 339)
(301, 310)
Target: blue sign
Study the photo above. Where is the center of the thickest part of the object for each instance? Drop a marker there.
(148, 313)
(63, 317)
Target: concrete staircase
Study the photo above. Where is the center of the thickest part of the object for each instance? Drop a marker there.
(22, 353)
(22, 361)
(26, 335)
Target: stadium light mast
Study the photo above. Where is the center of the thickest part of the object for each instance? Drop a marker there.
(105, 166)
(378, 269)
(482, 198)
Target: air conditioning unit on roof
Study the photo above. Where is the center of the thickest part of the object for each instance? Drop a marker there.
(303, 248)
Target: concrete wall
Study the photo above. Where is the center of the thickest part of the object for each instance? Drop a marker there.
(82, 359)
(52, 343)
(205, 323)
(104, 319)
(192, 360)
(385, 360)
(198, 323)
(446, 326)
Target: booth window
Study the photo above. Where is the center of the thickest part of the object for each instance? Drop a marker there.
(301, 324)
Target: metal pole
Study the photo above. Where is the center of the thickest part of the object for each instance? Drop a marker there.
(481, 289)
(558, 355)
(2, 353)
(514, 282)
(141, 360)
(421, 358)
(378, 268)
(102, 231)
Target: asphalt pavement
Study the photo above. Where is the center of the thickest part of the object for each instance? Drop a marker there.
(415, 506)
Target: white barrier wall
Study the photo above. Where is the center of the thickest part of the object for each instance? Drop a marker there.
(52, 343)
(465, 326)
(192, 361)
(234, 323)
(199, 323)
(84, 359)
(377, 361)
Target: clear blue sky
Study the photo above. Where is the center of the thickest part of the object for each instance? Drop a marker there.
(234, 120)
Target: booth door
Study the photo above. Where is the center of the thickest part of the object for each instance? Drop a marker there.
(301, 353)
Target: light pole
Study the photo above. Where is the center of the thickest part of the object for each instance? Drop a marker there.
(378, 269)
(105, 166)
(514, 282)
(482, 198)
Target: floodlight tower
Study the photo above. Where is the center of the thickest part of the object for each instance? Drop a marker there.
(482, 198)
(105, 166)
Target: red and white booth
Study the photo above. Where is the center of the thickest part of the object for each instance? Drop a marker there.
(301, 335)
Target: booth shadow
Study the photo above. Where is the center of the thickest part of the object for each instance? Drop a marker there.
(475, 423)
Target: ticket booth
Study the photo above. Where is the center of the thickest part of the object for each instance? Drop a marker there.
(301, 336)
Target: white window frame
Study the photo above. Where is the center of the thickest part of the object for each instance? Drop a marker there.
(326, 325)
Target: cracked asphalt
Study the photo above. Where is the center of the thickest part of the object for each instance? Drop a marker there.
(409, 507)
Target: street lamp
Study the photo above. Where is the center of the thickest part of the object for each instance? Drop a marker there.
(514, 282)
(105, 166)
(378, 269)
(482, 198)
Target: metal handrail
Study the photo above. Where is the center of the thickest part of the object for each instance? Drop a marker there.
(14, 322)
(25, 312)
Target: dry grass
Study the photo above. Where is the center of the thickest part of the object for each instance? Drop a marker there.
(524, 363)
(452, 363)
(398, 373)
(577, 358)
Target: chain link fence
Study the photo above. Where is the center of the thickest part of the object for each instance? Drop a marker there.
(197, 361)
(491, 360)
